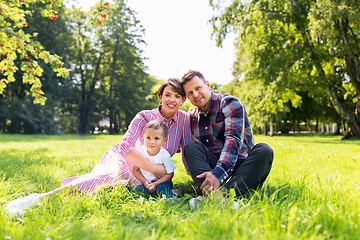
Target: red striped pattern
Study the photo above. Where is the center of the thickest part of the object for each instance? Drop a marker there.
(113, 169)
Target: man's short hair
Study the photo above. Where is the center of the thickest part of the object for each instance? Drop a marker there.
(191, 74)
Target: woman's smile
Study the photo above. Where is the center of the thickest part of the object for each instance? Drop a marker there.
(171, 105)
(171, 102)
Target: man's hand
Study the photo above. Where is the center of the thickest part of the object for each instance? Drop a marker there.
(211, 183)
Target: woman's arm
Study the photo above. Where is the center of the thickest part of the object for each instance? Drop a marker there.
(186, 137)
(140, 161)
(165, 178)
(138, 175)
(128, 150)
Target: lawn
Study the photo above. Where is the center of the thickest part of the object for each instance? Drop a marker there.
(312, 192)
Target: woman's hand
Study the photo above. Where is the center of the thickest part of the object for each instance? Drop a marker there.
(139, 160)
(159, 170)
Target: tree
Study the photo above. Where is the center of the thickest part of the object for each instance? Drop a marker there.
(87, 57)
(128, 84)
(17, 45)
(290, 46)
(19, 113)
(107, 68)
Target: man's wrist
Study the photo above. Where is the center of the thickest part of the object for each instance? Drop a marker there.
(220, 174)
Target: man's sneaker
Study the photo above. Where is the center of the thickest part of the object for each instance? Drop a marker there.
(195, 201)
(22, 203)
(235, 206)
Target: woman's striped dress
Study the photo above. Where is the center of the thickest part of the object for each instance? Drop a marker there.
(113, 169)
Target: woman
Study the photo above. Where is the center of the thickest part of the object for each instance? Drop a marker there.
(115, 166)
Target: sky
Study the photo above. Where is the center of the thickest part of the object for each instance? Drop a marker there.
(178, 38)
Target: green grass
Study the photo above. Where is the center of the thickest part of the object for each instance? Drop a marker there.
(313, 192)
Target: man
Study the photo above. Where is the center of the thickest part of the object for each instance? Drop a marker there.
(224, 153)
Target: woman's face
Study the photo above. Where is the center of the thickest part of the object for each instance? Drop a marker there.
(171, 102)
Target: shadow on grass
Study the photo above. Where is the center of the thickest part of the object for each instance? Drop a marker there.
(27, 166)
(317, 138)
(6, 138)
(280, 193)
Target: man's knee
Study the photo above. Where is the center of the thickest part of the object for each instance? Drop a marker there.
(190, 149)
(265, 151)
(191, 146)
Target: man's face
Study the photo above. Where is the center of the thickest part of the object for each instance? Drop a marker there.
(198, 93)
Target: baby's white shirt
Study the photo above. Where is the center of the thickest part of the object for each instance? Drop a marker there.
(162, 157)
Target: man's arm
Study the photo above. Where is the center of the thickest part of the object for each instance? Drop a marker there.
(237, 131)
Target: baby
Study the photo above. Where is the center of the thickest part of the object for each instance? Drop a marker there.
(155, 135)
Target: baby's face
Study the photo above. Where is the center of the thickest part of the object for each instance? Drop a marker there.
(153, 140)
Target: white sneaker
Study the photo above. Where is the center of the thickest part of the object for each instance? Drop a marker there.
(235, 206)
(15, 212)
(22, 203)
(194, 201)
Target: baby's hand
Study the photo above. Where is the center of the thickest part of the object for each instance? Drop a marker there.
(151, 187)
(147, 183)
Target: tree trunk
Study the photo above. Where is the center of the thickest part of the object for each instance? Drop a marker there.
(116, 126)
(112, 76)
(83, 119)
(338, 126)
(83, 105)
(353, 69)
(354, 130)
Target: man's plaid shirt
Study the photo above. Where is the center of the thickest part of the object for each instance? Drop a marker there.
(225, 130)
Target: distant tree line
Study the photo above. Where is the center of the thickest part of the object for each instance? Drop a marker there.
(297, 65)
(107, 75)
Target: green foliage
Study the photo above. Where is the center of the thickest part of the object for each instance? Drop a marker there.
(104, 58)
(99, 13)
(288, 48)
(17, 45)
(19, 112)
(311, 193)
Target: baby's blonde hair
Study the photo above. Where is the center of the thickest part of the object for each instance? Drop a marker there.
(157, 124)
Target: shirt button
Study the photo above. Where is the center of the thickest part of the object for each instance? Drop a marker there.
(206, 127)
(207, 140)
(205, 115)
